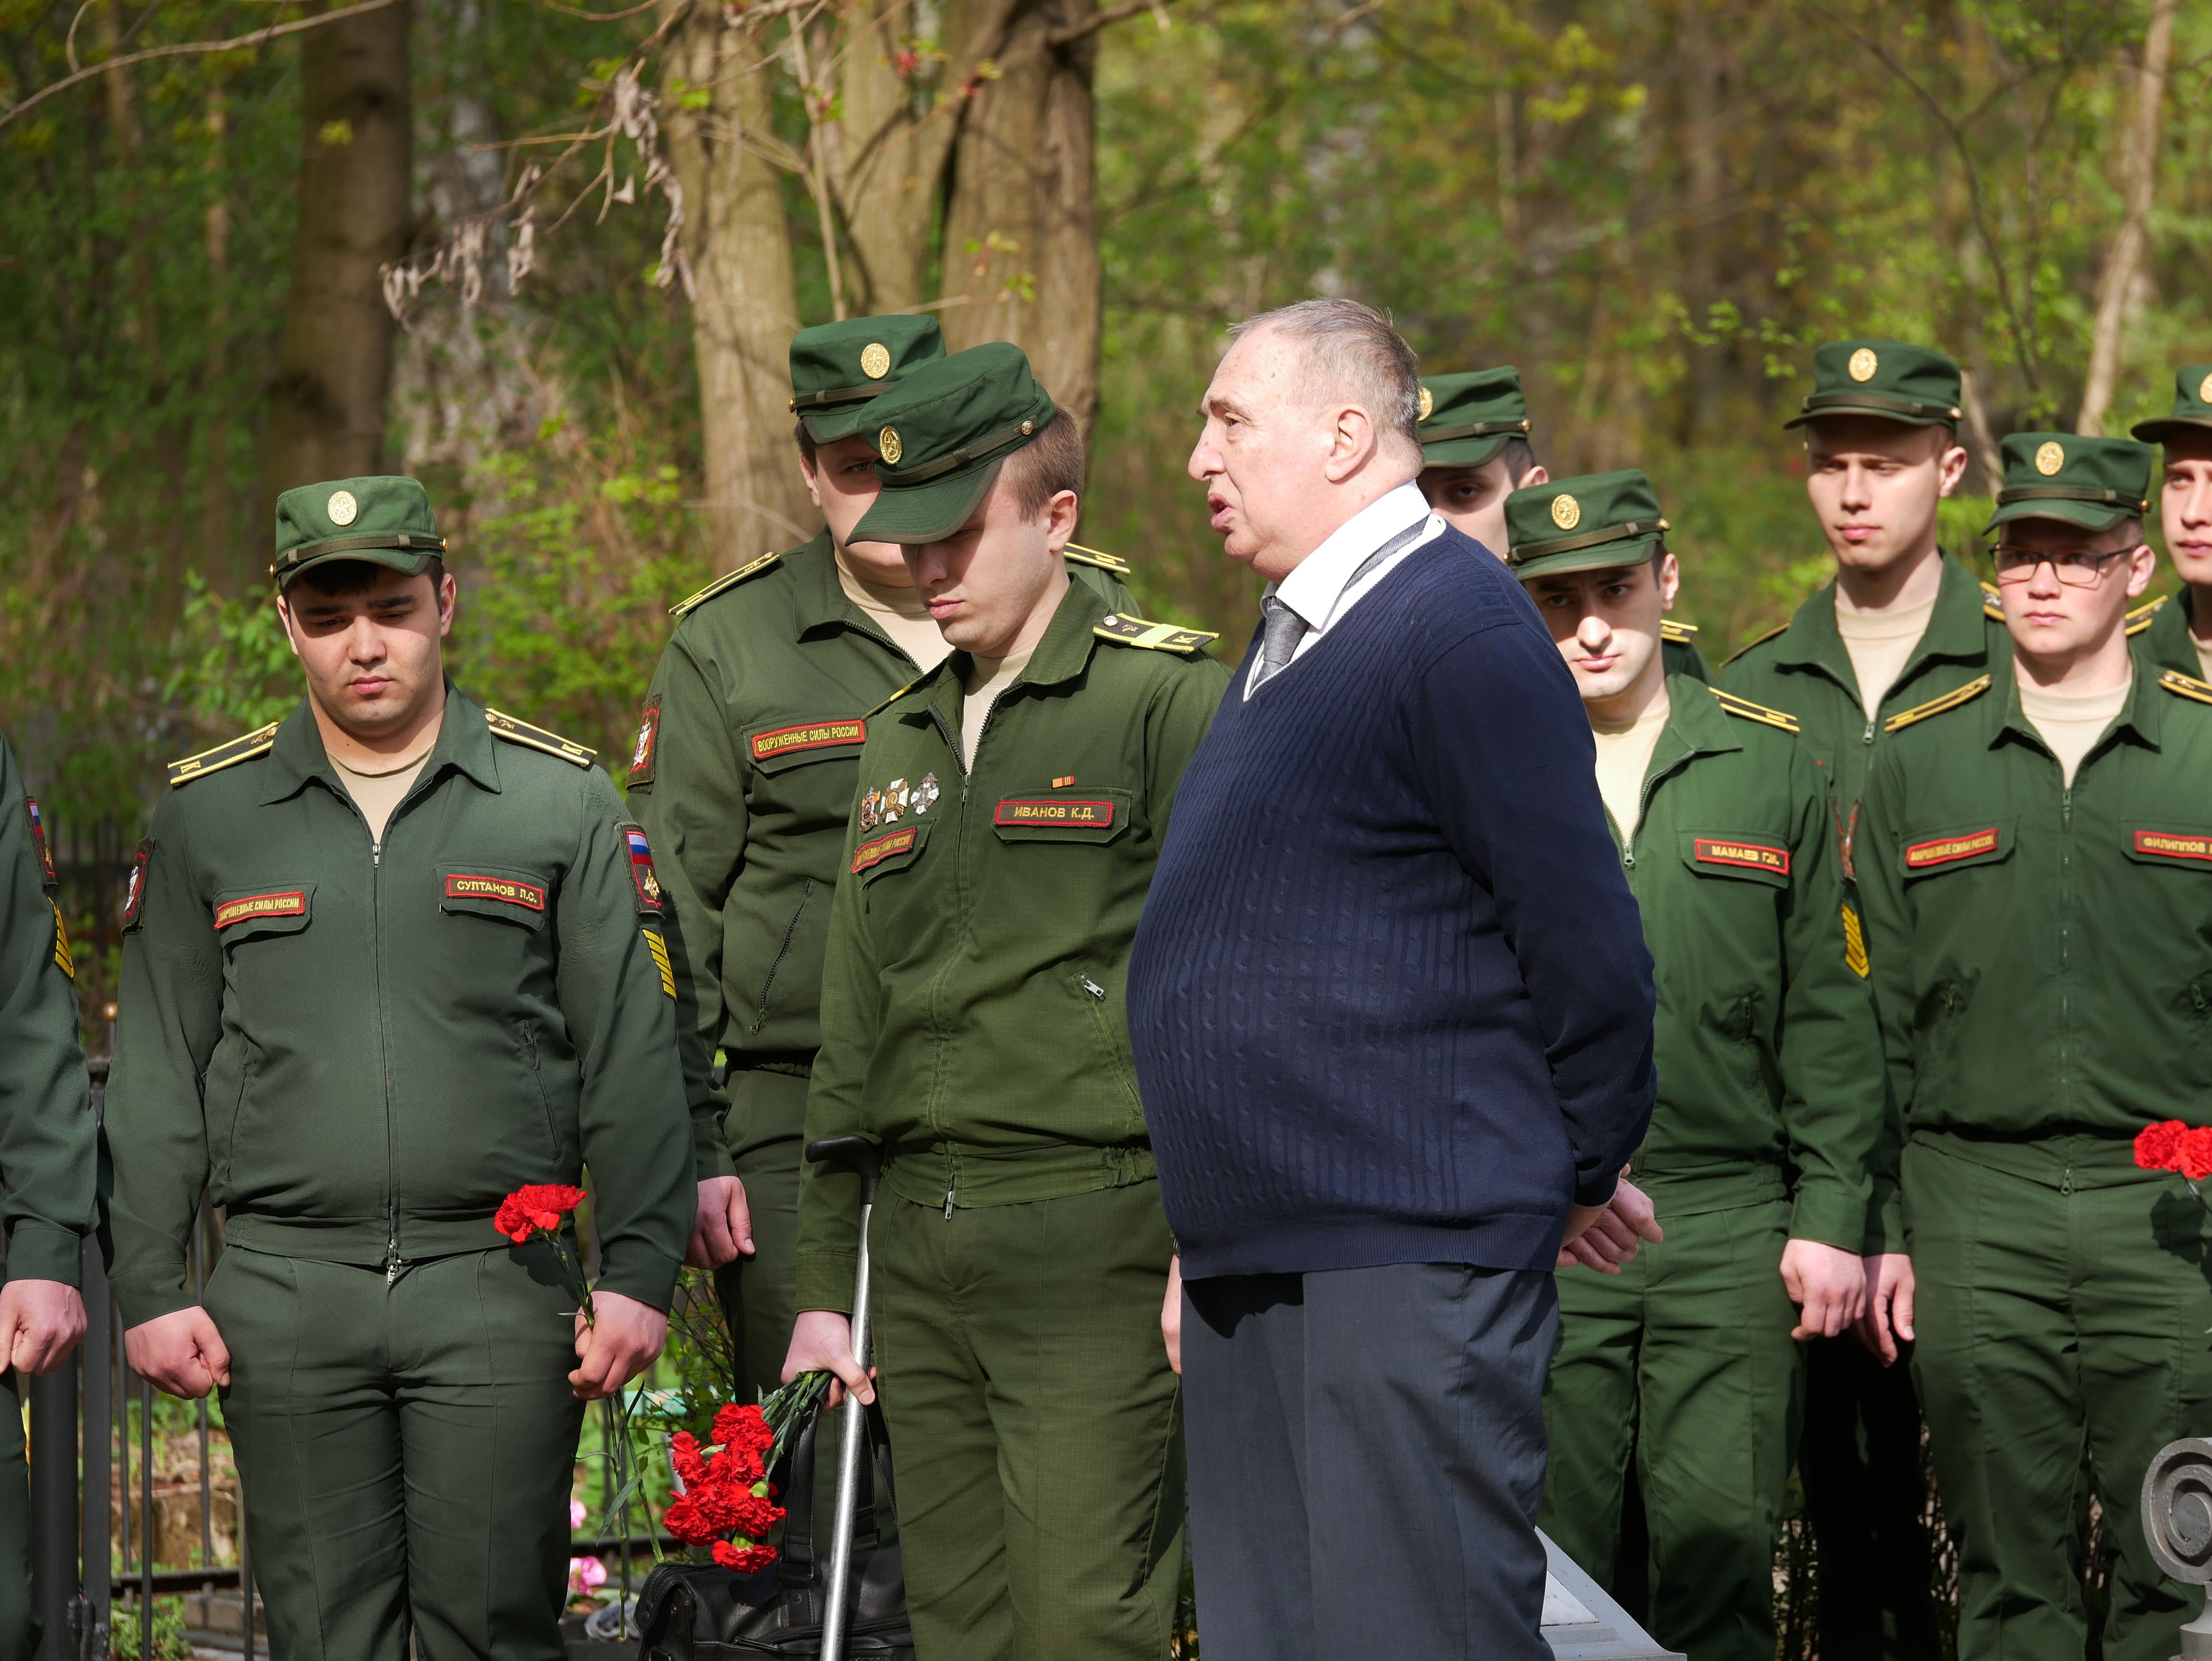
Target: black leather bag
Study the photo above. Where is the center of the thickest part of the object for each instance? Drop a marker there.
(703, 1612)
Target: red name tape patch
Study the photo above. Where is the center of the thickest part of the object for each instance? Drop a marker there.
(876, 852)
(1053, 810)
(1751, 855)
(1921, 855)
(815, 735)
(527, 894)
(291, 904)
(2174, 845)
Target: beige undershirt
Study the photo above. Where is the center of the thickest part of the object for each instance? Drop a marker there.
(2072, 722)
(377, 793)
(1879, 644)
(986, 678)
(1623, 756)
(2203, 656)
(902, 613)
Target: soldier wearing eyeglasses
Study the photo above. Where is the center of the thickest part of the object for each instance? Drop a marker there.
(2035, 862)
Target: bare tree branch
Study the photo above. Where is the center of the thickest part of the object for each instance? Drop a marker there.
(1112, 14)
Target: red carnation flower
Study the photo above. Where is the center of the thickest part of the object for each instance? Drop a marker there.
(738, 1467)
(747, 1560)
(685, 1520)
(535, 1206)
(743, 1427)
(684, 1455)
(2158, 1147)
(2195, 1154)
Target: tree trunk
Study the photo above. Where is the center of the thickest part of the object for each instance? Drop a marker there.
(1021, 225)
(893, 160)
(745, 304)
(326, 406)
(2139, 167)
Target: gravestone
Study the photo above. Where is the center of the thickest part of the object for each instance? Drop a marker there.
(2177, 1521)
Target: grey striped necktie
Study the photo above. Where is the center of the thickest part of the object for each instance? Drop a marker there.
(1280, 630)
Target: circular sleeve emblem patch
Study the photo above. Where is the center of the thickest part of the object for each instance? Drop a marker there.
(341, 507)
(1429, 400)
(2204, 390)
(875, 360)
(1863, 363)
(1567, 512)
(2049, 457)
(887, 442)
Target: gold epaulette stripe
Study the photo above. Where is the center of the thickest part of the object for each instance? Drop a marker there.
(2140, 619)
(245, 748)
(2186, 686)
(1950, 700)
(1750, 711)
(1153, 636)
(1680, 633)
(728, 580)
(1104, 562)
(897, 695)
(1758, 640)
(536, 738)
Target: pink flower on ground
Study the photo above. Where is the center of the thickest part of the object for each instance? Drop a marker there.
(586, 1575)
(576, 1514)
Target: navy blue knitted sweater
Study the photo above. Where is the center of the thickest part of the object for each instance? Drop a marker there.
(1389, 999)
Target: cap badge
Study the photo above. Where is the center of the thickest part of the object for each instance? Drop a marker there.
(888, 443)
(1429, 401)
(341, 507)
(2049, 457)
(1567, 512)
(875, 360)
(1863, 363)
(2204, 390)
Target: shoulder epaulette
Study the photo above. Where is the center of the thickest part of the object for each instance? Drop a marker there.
(1757, 639)
(2140, 619)
(1683, 634)
(728, 580)
(256, 743)
(895, 696)
(536, 738)
(2186, 686)
(1992, 603)
(1950, 700)
(1104, 562)
(1153, 636)
(1750, 711)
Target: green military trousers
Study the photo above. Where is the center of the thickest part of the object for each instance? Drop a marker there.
(1035, 1427)
(405, 1451)
(1684, 1363)
(2062, 1313)
(19, 1631)
(766, 1132)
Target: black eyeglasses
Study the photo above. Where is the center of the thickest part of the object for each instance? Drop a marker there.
(2077, 567)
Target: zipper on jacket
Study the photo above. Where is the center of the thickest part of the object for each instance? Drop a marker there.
(392, 1264)
(806, 893)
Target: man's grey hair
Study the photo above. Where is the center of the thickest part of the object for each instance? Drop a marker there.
(1351, 351)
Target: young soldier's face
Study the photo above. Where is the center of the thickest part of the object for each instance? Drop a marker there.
(841, 479)
(374, 657)
(1607, 622)
(1874, 485)
(988, 582)
(2186, 505)
(1471, 499)
(2055, 608)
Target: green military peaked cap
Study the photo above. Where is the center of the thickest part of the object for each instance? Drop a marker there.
(2192, 405)
(2095, 483)
(1466, 419)
(837, 367)
(1582, 524)
(384, 519)
(1885, 377)
(943, 434)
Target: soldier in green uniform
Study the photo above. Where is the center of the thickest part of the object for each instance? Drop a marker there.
(744, 775)
(2166, 632)
(1013, 801)
(386, 961)
(47, 1146)
(1475, 452)
(2033, 861)
(1899, 623)
(1769, 1094)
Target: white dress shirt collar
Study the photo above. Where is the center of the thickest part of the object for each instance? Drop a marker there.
(1315, 589)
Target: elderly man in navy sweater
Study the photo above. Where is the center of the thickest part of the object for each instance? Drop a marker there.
(1392, 1017)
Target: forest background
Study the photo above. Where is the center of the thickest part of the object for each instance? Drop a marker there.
(601, 229)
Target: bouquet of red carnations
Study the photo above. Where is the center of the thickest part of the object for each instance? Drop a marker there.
(2174, 1146)
(726, 1499)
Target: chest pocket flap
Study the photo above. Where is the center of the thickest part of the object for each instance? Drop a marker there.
(793, 744)
(277, 907)
(1756, 856)
(2167, 842)
(1074, 814)
(1940, 848)
(506, 892)
(881, 852)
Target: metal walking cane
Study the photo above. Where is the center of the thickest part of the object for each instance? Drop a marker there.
(866, 1160)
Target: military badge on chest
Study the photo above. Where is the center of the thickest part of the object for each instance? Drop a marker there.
(898, 799)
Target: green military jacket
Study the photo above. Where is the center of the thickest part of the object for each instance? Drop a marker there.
(1767, 1052)
(744, 774)
(2043, 955)
(48, 1141)
(360, 1050)
(2159, 636)
(973, 1015)
(1803, 669)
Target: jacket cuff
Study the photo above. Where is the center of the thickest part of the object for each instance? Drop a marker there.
(640, 1272)
(141, 1299)
(45, 1252)
(714, 1154)
(1599, 1190)
(1828, 1217)
(1885, 1228)
(825, 1281)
